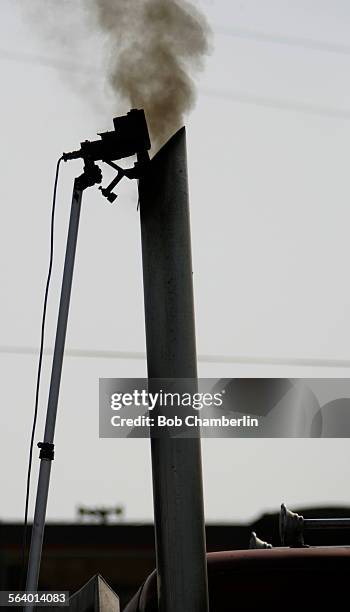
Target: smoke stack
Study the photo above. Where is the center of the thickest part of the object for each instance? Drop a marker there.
(171, 354)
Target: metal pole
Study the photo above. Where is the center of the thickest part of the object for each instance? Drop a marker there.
(171, 353)
(91, 175)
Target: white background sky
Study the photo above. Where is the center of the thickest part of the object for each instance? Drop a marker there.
(269, 156)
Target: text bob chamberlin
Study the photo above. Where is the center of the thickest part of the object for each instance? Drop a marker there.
(189, 421)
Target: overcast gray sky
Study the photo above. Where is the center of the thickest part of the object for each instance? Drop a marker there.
(269, 152)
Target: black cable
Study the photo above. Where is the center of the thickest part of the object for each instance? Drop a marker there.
(241, 97)
(282, 39)
(43, 320)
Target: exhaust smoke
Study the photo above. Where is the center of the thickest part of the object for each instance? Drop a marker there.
(154, 48)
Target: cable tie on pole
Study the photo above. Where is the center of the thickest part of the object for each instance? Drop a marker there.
(47, 450)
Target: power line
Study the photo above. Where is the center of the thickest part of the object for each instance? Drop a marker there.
(242, 33)
(48, 62)
(203, 358)
(291, 41)
(284, 105)
(240, 97)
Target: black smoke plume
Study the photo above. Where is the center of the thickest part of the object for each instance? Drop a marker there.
(154, 49)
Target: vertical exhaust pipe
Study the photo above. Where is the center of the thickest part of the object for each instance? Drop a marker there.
(171, 353)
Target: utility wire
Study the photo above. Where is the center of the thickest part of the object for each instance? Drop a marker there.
(41, 352)
(281, 39)
(309, 44)
(235, 96)
(280, 104)
(234, 359)
(40, 60)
